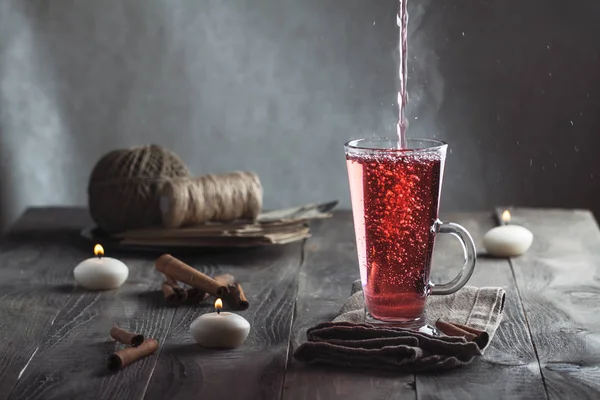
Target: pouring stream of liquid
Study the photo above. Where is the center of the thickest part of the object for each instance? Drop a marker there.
(402, 21)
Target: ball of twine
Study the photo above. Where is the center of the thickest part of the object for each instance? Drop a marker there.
(145, 186)
(226, 197)
(124, 186)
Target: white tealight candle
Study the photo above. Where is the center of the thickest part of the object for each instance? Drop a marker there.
(507, 240)
(101, 273)
(220, 329)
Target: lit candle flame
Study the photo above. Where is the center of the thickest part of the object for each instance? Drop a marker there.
(99, 250)
(218, 305)
(506, 217)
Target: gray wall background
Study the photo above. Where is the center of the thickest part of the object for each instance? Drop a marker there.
(277, 86)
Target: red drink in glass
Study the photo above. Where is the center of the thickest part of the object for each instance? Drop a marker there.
(395, 198)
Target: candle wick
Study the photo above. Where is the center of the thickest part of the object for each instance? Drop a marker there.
(218, 311)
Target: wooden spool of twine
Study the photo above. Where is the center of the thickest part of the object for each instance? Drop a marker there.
(227, 197)
(145, 186)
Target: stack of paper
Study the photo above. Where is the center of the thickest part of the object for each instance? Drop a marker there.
(274, 227)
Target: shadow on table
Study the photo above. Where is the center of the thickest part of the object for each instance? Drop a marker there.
(155, 299)
(68, 288)
(485, 256)
(349, 372)
(186, 349)
(152, 298)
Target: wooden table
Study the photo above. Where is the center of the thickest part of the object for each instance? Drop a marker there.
(55, 336)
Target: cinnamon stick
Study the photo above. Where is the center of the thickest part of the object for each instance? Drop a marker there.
(481, 338)
(450, 329)
(126, 337)
(171, 281)
(196, 295)
(242, 301)
(182, 272)
(236, 299)
(474, 331)
(225, 279)
(128, 355)
(173, 295)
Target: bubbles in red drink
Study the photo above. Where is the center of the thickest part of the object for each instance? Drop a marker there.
(395, 199)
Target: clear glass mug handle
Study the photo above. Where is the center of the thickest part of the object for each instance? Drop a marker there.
(470, 254)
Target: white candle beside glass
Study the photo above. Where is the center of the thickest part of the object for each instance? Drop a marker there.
(507, 240)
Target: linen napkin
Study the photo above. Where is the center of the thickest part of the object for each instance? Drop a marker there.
(467, 319)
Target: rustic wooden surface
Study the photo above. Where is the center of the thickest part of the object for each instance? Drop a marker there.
(559, 282)
(55, 335)
(329, 268)
(509, 368)
(255, 370)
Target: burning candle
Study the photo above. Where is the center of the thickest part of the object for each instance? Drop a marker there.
(220, 329)
(100, 273)
(507, 240)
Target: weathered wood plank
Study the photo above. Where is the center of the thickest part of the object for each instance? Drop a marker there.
(42, 315)
(329, 268)
(35, 256)
(559, 283)
(256, 369)
(72, 356)
(71, 325)
(73, 343)
(509, 368)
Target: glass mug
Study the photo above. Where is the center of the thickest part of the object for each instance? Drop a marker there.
(395, 198)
